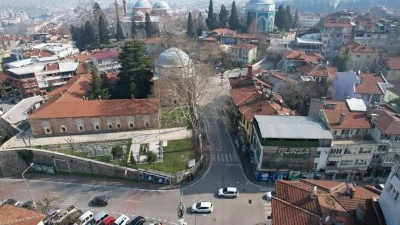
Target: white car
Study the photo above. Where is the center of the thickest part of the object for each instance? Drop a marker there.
(228, 192)
(202, 207)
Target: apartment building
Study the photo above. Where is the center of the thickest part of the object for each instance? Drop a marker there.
(335, 34)
(362, 57)
(289, 147)
(389, 200)
(386, 133)
(390, 67)
(352, 147)
(245, 53)
(307, 20)
(107, 61)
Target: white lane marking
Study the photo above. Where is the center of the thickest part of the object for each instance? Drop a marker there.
(222, 158)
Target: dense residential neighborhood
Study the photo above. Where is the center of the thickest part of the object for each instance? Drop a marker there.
(152, 112)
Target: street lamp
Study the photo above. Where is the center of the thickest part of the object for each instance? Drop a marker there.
(26, 184)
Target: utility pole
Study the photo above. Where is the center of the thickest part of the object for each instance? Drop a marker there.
(26, 184)
(181, 212)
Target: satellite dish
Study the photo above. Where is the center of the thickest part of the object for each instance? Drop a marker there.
(327, 219)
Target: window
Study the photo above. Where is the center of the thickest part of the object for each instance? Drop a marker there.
(118, 125)
(47, 130)
(393, 192)
(80, 128)
(364, 151)
(347, 151)
(346, 162)
(360, 162)
(382, 148)
(388, 160)
(396, 139)
(63, 129)
(97, 127)
(318, 154)
(336, 151)
(147, 124)
(109, 126)
(331, 163)
(131, 125)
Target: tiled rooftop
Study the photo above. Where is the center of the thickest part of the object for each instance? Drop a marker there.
(353, 119)
(14, 215)
(369, 84)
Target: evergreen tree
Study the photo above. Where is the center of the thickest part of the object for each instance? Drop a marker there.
(210, 21)
(233, 19)
(295, 22)
(200, 24)
(289, 18)
(191, 31)
(103, 31)
(281, 18)
(133, 27)
(148, 26)
(105, 83)
(90, 36)
(120, 33)
(251, 24)
(135, 74)
(341, 62)
(97, 91)
(97, 13)
(223, 15)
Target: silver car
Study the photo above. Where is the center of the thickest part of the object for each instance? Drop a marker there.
(228, 192)
(202, 207)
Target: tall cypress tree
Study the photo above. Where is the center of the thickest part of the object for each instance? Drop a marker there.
(210, 22)
(281, 18)
(135, 74)
(97, 89)
(103, 31)
(191, 31)
(289, 18)
(148, 26)
(295, 22)
(200, 24)
(120, 33)
(223, 15)
(233, 19)
(90, 35)
(133, 27)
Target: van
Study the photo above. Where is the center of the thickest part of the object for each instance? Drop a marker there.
(85, 218)
(99, 217)
(108, 221)
(122, 220)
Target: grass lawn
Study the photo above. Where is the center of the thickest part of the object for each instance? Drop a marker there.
(176, 157)
(171, 118)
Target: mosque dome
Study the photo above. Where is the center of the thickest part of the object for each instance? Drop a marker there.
(161, 5)
(139, 13)
(269, 2)
(172, 57)
(142, 4)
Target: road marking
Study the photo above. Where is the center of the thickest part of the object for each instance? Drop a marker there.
(213, 157)
(230, 158)
(232, 164)
(218, 157)
(222, 158)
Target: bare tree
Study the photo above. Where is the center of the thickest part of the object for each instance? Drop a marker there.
(71, 144)
(45, 203)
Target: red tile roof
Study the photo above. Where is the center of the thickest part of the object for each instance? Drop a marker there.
(226, 32)
(393, 62)
(50, 67)
(299, 202)
(244, 46)
(387, 121)
(302, 56)
(353, 119)
(361, 48)
(278, 75)
(14, 215)
(318, 71)
(251, 36)
(337, 24)
(369, 84)
(37, 52)
(82, 58)
(106, 55)
(3, 77)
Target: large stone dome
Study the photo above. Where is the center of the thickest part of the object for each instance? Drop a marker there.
(172, 57)
(269, 2)
(139, 13)
(161, 5)
(142, 4)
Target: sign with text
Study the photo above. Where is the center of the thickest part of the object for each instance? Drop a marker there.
(293, 158)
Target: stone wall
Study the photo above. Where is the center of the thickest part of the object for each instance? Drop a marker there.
(14, 162)
(6, 127)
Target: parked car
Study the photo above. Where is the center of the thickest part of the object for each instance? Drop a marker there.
(99, 218)
(11, 201)
(139, 220)
(29, 205)
(101, 200)
(50, 215)
(228, 192)
(85, 218)
(202, 207)
(108, 221)
(268, 196)
(121, 220)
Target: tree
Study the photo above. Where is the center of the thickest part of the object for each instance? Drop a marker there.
(295, 22)
(281, 18)
(97, 90)
(105, 83)
(191, 31)
(71, 144)
(210, 16)
(117, 152)
(341, 62)
(133, 160)
(135, 74)
(90, 36)
(45, 203)
(233, 19)
(251, 24)
(200, 24)
(103, 31)
(223, 15)
(120, 33)
(289, 18)
(148, 26)
(151, 158)
(133, 27)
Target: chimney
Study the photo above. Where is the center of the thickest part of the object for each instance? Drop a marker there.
(341, 120)
(360, 211)
(125, 7)
(250, 70)
(373, 117)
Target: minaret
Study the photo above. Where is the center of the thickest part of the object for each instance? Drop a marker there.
(117, 9)
(125, 7)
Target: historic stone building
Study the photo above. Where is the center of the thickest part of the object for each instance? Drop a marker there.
(263, 12)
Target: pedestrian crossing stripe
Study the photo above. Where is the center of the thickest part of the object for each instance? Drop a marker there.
(224, 157)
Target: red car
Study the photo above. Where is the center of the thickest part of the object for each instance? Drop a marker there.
(108, 221)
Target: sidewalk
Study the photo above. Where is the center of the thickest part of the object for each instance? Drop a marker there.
(136, 136)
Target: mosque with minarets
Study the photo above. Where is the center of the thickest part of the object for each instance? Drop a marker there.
(263, 12)
(159, 12)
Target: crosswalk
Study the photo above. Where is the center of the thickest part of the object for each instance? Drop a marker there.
(224, 157)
